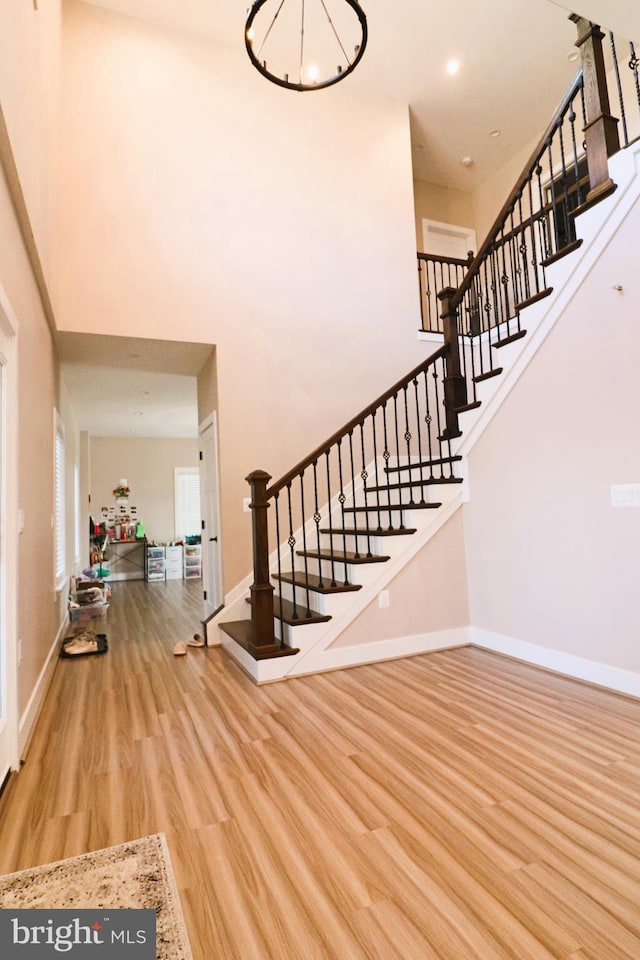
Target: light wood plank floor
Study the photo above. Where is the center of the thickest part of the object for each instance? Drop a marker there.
(455, 806)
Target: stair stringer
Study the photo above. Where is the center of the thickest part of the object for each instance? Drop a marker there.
(596, 227)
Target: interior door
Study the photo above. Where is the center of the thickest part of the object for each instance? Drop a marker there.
(8, 550)
(210, 506)
(447, 239)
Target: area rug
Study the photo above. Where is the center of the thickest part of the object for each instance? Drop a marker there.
(134, 875)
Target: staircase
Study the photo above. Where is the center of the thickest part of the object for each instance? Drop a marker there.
(355, 511)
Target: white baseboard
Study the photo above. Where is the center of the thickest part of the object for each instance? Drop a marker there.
(33, 707)
(578, 668)
(337, 658)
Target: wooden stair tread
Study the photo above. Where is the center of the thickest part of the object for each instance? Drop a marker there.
(314, 583)
(540, 295)
(413, 485)
(353, 532)
(341, 556)
(388, 508)
(242, 631)
(510, 339)
(424, 463)
(486, 376)
(473, 405)
(286, 611)
(565, 251)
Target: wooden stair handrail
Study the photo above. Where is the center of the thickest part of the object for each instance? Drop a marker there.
(517, 189)
(454, 261)
(351, 424)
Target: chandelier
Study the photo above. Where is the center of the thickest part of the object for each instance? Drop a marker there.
(305, 44)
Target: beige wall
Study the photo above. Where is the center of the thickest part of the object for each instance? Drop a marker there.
(147, 464)
(212, 206)
(550, 561)
(29, 71)
(446, 204)
(438, 576)
(208, 388)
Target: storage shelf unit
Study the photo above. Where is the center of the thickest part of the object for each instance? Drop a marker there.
(155, 563)
(192, 561)
(173, 562)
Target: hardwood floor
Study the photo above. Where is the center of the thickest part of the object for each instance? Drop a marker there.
(455, 806)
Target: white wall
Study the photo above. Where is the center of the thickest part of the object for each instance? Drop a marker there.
(550, 561)
(198, 201)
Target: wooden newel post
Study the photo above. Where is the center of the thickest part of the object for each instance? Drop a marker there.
(601, 132)
(261, 588)
(455, 385)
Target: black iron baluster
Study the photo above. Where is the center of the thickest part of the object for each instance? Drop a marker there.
(292, 543)
(616, 68)
(569, 232)
(533, 233)
(419, 438)
(317, 517)
(576, 166)
(522, 250)
(407, 439)
(387, 456)
(331, 556)
(304, 548)
(437, 402)
(428, 419)
(504, 278)
(375, 468)
(545, 249)
(397, 438)
(495, 290)
(364, 477)
(554, 203)
(634, 63)
(341, 500)
(276, 503)
(421, 293)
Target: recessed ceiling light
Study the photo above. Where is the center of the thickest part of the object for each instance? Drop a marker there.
(452, 67)
(495, 133)
(573, 56)
(138, 413)
(467, 161)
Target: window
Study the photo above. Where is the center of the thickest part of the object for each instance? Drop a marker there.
(187, 494)
(59, 497)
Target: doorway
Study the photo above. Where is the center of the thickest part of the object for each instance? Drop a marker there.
(137, 403)
(448, 240)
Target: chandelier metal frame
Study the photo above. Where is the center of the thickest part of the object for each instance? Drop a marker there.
(300, 85)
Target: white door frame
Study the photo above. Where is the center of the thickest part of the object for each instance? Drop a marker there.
(432, 229)
(9, 749)
(210, 507)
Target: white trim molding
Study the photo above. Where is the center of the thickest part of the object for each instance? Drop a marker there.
(567, 664)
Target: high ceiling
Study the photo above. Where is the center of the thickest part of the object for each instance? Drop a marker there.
(513, 61)
(514, 67)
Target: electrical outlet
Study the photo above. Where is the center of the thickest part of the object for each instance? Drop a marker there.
(246, 504)
(383, 598)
